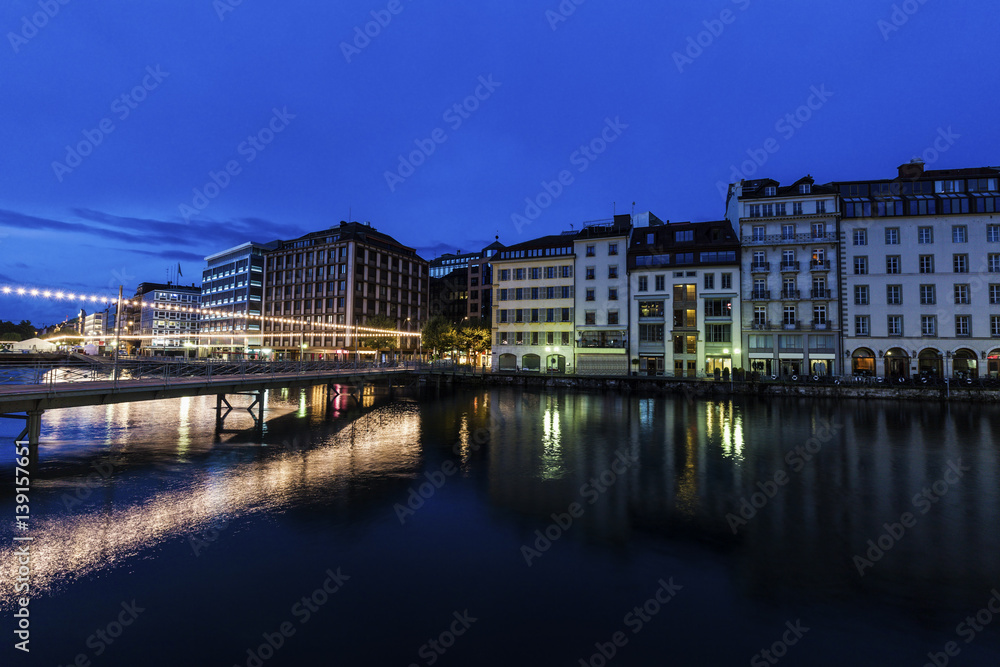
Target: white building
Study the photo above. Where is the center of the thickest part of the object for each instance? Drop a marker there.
(684, 299)
(922, 260)
(602, 303)
(94, 324)
(791, 294)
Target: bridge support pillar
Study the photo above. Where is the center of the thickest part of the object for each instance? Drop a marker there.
(32, 433)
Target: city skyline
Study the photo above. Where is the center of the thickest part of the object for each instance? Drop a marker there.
(198, 144)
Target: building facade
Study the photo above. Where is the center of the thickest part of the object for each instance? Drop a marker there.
(684, 299)
(534, 299)
(791, 295)
(602, 303)
(922, 273)
(168, 319)
(233, 291)
(335, 280)
(480, 285)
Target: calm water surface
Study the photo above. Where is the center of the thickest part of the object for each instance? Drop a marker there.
(501, 527)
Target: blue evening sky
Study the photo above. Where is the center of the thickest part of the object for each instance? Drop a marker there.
(117, 114)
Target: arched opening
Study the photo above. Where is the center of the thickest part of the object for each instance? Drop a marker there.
(555, 363)
(929, 363)
(508, 362)
(531, 362)
(965, 365)
(897, 363)
(863, 362)
(993, 363)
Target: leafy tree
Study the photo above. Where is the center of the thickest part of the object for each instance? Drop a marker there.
(24, 329)
(439, 335)
(474, 336)
(16, 337)
(379, 342)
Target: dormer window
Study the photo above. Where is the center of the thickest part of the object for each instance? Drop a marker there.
(805, 188)
(770, 191)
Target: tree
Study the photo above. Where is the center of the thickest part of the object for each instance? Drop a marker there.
(11, 336)
(439, 334)
(474, 336)
(379, 342)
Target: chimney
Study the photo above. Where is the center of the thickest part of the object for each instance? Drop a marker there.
(913, 169)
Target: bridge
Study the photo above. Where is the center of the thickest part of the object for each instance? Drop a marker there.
(34, 390)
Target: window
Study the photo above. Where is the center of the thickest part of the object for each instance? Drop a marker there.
(590, 294)
(960, 263)
(993, 262)
(805, 188)
(684, 237)
(925, 235)
(759, 317)
(718, 308)
(612, 248)
(519, 338)
(643, 284)
(895, 325)
(928, 295)
(565, 338)
(892, 264)
(650, 333)
(892, 235)
(661, 282)
(894, 295)
(589, 317)
(591, 251)
(770, 191)
(860, 237)
(860, 266)
(959, 234)
(612, 272)
(819, 315)
(590, 272)
(567, 271)
(612, 294)
(550, 272)
(535, 273)
(709, 281)
(788, 342)
(995, 325)
(821, 206)
(928, 325)
(650, 309)
(962, 325)
(727, 281)
(504, 274)
(612, 317)
(754, 210)
(861, 325)
(994, 294)
(993, 233)
(797, 208)
(818, 230)
(788, 316)
(788, 232)
(927, 264)
(861, 295)
(718, 333)
(758, 233)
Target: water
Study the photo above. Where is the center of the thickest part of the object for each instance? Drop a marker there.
(217, 537)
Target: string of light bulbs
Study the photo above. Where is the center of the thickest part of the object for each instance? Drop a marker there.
(202, 311)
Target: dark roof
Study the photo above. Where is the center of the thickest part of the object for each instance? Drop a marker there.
(354, 231)
(934, 175)
(755, 189)
(146, 288)
(550, 241)
(710, 234)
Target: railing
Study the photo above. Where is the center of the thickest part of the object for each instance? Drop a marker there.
(790, 294)
(821, 294)
(760, 267)
(790, 266)
(819, 265)
(772, 239)
(760, 295)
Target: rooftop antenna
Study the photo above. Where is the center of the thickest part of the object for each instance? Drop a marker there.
(614, 208)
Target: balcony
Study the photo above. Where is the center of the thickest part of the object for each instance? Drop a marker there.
(787, 267)
(819, 265)
(761, 326)
(821, 294)
(777, 239)
(760, 267)
(820, 326)
(790, 326)
(790, 294)
(760, 295)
